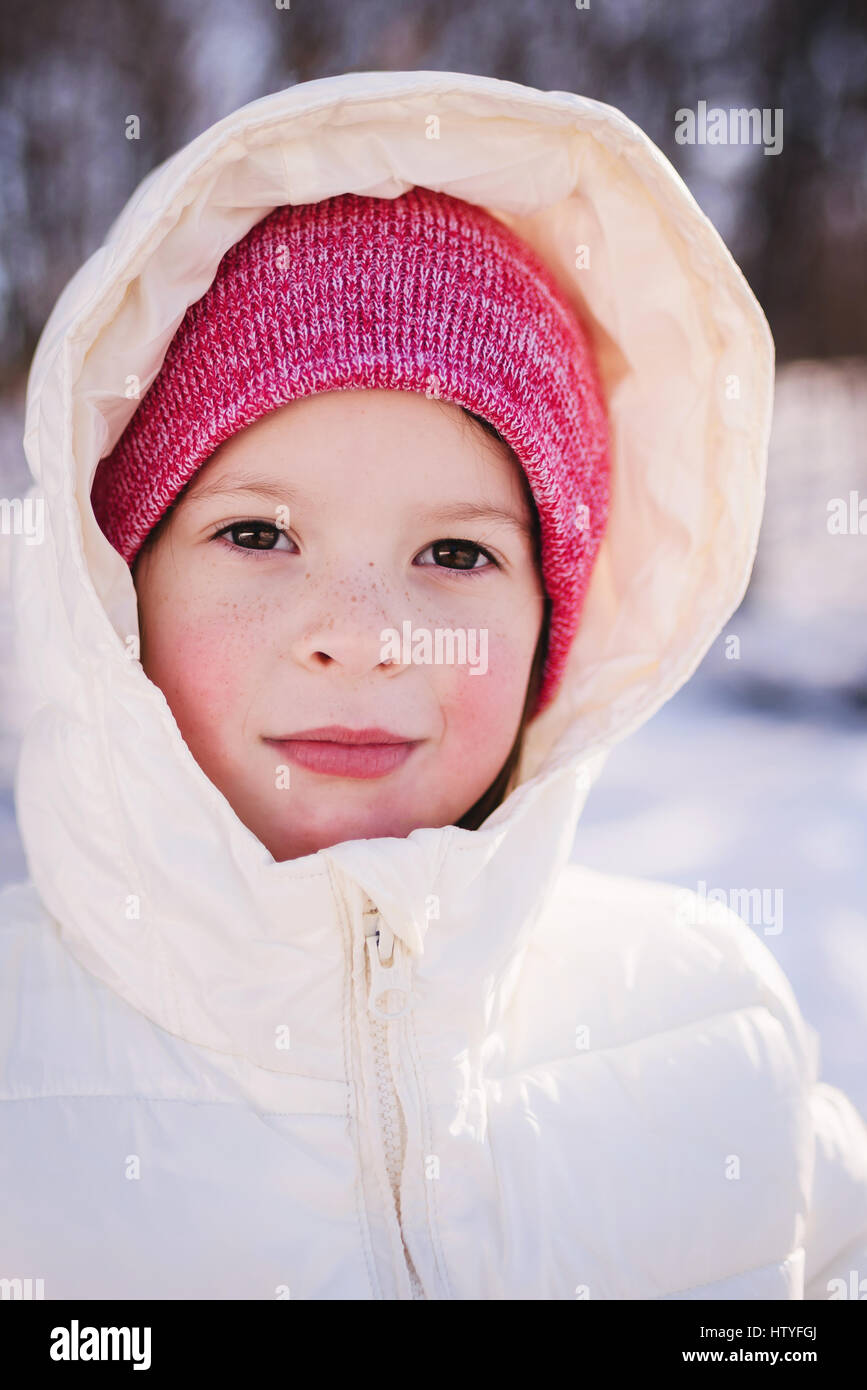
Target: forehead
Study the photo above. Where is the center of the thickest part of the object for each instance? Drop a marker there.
(405, 429)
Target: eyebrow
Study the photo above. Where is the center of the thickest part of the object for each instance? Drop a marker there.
(482, 511)
(280, 493)
(254, 487)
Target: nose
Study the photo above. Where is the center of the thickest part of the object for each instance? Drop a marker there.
(346, 626)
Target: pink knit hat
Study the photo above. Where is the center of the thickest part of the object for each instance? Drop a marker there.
(423, 292)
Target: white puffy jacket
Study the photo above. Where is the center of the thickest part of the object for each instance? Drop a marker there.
(586, 1087)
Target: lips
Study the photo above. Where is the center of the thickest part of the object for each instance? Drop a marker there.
(337, 751)
(339, 733)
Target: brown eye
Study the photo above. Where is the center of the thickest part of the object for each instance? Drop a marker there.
(252, 536)
(459, 555)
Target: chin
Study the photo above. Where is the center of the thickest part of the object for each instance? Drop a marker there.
(295, 843)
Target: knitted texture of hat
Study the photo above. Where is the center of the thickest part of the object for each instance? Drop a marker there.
(423, 292)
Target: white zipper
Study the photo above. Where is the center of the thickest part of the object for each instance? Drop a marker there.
(389, 997)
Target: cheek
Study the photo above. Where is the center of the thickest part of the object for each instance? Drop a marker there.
(204, 663)
(483, 710)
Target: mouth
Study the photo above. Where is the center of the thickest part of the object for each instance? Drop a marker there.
(336, 751)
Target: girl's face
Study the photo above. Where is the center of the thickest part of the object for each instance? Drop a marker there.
(358, 558)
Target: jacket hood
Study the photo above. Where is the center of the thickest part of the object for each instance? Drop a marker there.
(157, 886)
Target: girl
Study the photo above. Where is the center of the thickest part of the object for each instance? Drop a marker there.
(401, 452)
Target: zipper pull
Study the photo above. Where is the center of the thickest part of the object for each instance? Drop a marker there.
(381, 946)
